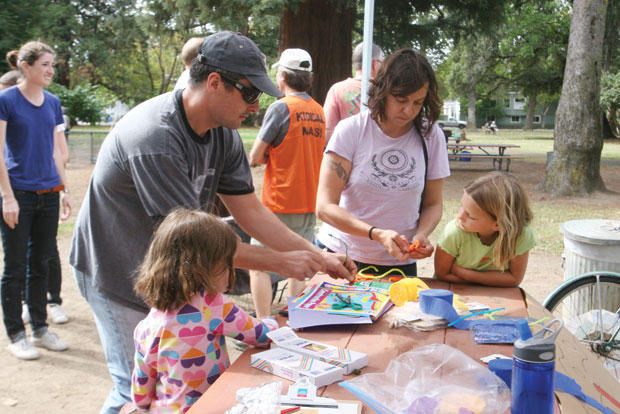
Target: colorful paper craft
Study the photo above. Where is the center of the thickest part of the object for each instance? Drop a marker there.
(321, 298)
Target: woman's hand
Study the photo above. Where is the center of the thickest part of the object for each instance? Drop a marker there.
(423, 248)
(395, 244)
(65, 202)
(10, 212)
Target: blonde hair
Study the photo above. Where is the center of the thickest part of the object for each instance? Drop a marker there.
(188, 248)
(501, 196)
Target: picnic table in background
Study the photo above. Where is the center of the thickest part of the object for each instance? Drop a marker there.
(495, 152)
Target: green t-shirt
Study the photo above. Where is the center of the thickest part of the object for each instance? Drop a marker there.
(469, 252)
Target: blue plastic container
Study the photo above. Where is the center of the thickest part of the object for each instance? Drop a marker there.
(533, 372)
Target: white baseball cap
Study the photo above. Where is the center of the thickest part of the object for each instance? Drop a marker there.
(295, 59)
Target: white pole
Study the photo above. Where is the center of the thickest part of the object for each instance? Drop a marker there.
(369, 16)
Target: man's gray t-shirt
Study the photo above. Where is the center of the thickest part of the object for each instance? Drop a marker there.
(150, 163)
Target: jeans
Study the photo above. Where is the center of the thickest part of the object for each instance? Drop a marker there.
(37, 225)
(115, 324)
(54, 280)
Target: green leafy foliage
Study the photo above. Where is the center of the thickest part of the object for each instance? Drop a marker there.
(83, 103)
(610, 89)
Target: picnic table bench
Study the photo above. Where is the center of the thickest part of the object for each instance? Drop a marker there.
(495, 152)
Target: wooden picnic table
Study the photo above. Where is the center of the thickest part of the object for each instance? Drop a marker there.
(382, 344)
(495, 152)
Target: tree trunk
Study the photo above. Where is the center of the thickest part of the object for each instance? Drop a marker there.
(545, 110)
(611, 128)
(529, 117)
(471, 110)
(324, 30)
(575, 166)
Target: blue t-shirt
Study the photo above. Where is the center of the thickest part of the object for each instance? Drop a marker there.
(29, 150)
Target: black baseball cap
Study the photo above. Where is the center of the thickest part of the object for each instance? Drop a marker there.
(236, 53)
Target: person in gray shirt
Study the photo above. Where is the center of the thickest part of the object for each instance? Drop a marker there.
(179, 149)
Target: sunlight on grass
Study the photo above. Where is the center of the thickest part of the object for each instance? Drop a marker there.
(248, 135)
(536, 142)
(548, 219)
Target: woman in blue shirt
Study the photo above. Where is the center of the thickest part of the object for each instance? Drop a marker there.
(32, 188)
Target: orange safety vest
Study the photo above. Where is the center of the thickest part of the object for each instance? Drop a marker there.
(292, 173)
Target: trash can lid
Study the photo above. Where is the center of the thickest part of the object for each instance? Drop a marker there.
(596, 231)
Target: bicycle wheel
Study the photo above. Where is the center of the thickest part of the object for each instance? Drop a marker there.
(589, 305)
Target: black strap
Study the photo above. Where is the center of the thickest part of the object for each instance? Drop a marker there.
(425, 151)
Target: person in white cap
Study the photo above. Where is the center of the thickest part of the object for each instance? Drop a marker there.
(290, 142)
(178, 149)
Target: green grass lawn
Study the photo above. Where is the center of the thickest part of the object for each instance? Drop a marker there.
(536, 142)
(548, 218)
(531, 142)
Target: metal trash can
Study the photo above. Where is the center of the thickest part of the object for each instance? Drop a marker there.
(592, 246)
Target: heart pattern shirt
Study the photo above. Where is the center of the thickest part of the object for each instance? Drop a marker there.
(180, 353)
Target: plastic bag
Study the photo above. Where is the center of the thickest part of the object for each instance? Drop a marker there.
(435, 379)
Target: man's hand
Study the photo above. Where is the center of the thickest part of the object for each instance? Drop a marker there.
(335, 268)
(299, 264)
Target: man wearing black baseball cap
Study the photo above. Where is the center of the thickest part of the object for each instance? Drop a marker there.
(179, 149)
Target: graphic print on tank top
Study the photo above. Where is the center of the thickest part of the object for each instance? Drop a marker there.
(393, 169)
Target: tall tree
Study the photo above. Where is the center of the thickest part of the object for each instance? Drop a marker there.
(533, 49)
(324, 29)
(611, 64)
(575, 166)
(472, 64)
(19, 22)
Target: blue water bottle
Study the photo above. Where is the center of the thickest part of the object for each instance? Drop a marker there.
(533, 372)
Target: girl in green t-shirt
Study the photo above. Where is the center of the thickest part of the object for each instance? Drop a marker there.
(489, 240)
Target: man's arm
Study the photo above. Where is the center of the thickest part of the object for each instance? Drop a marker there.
(291, 255)
(260, 152)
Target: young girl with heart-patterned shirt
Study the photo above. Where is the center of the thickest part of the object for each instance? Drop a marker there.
(180, 345)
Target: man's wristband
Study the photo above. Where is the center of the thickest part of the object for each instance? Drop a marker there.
(370, 232)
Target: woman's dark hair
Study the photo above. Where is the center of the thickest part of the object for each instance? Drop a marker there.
(188, 249)
(11, 58)
(401, 74)
(300, 81)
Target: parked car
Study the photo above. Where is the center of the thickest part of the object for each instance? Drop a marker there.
(451, 123)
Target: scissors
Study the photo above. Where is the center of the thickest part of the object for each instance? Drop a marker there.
(345, 303)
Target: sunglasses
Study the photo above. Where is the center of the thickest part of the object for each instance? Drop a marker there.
(249, 95)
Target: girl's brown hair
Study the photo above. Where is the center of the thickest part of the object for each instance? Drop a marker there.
(401, 74)
(501, 196)
(188, 249)
(30, 52)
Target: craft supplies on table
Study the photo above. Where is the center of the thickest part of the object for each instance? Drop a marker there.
(357, 304)
(347, 359)
(292, 366)
(321, 298)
